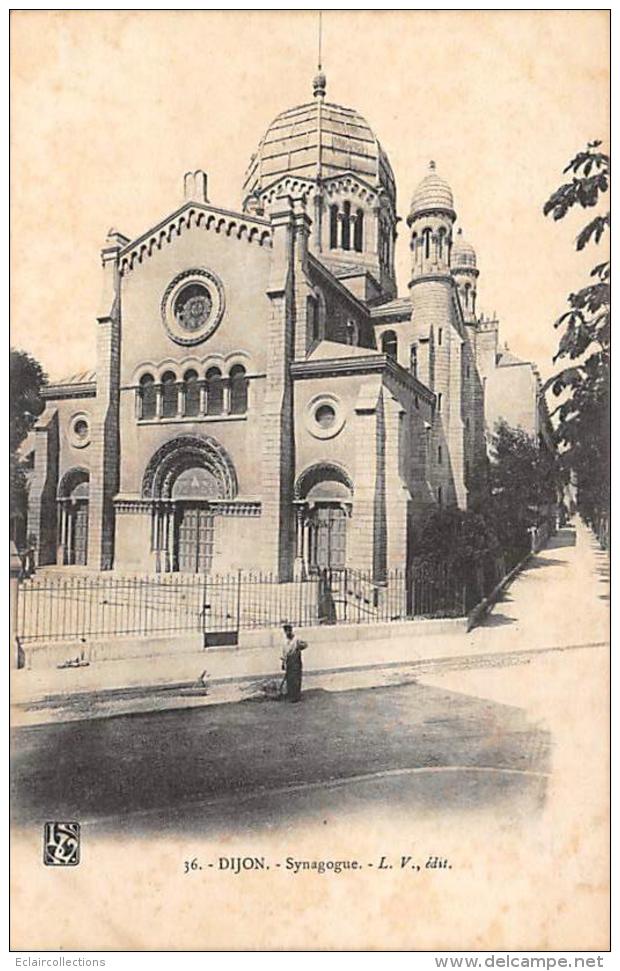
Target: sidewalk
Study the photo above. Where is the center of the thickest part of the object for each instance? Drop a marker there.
(557, 602)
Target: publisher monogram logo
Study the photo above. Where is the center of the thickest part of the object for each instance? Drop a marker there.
(61, 846)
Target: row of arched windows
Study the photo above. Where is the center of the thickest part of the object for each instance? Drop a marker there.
(469, 297)
(194, 395)
(426, 244)
(346, 228)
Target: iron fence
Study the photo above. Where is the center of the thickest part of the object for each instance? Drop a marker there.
(97, 607)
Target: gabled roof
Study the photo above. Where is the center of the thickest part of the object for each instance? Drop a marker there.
(506, 358)
(397, 309)
(82, 377)
(80, 385)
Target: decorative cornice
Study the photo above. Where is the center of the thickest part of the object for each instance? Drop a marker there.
(466, 270)
(431, 211)
(370, 364)
(219, 507)
(433, 278)
(240, 226)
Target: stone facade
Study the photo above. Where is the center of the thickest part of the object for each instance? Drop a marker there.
(263, 400)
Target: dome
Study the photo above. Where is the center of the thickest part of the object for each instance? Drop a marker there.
(433, 192)
(463, 253)
(318, 140)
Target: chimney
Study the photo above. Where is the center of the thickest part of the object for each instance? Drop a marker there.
(195, 186)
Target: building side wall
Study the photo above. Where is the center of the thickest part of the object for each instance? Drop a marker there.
(512, 395)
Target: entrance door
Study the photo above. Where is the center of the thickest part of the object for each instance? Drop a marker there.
(329, 538)
(195, 539)
(79, 553)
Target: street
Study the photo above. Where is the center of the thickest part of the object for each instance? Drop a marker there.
(470, 734)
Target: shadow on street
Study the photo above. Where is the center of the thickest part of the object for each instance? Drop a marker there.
(160, 764)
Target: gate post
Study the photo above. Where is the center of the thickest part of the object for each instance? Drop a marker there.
(238, 600)
(15, 566)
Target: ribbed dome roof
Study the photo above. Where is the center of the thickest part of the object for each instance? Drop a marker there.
(319, 139)
(463, 253)
(433, 192)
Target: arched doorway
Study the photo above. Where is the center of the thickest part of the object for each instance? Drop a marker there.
(185, 479)
(73, 518)
(323, 498)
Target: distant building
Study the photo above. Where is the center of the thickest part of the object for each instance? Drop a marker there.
(512, 387)
(263, 398)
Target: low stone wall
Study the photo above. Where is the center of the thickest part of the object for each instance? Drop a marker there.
(51, 654)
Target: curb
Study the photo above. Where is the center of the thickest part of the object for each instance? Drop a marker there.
(482, 609)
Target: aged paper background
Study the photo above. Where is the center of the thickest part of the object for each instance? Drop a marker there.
(108, 111)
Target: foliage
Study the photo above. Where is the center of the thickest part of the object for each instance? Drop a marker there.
(26, 378)
(583, 413)
(523, 481)
(452, 535)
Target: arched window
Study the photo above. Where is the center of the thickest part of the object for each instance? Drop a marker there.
(333, 227)
(215, 391)
(313, 320)
(346, 225)
(352, 333)
(414, 247)
(439, 455)
(440, 243)
(192, 393)
(389, 344)
(426, 236)
(413, 360)
(238, 390)
(467, 290)
(169, 395)
(358, 240)
(148, 396)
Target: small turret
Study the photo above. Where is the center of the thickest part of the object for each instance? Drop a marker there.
(431, 218)
(465, 273)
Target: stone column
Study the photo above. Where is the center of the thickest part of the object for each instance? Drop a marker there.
(42, 511)
(396, 493)
(360, 529)
(105, 444)
(278, 452)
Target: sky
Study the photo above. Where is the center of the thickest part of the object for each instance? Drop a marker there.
(109, 109)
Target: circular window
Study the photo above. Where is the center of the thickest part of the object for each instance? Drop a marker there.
(192, 306)
(325, 416)
(79, 431)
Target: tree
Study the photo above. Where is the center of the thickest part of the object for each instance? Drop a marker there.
(523, 479)
(458, 537)
(583, 413)
(26, 378)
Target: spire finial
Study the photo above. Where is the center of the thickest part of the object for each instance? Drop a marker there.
(319, 82)
(432, 166)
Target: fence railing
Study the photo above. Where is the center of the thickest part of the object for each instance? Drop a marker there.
(97, 607)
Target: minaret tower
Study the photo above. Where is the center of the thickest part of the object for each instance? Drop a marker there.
(438, 323)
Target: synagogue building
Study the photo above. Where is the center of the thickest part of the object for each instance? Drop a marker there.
(263, 396)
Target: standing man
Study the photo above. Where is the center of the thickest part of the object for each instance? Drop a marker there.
(291, 662)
